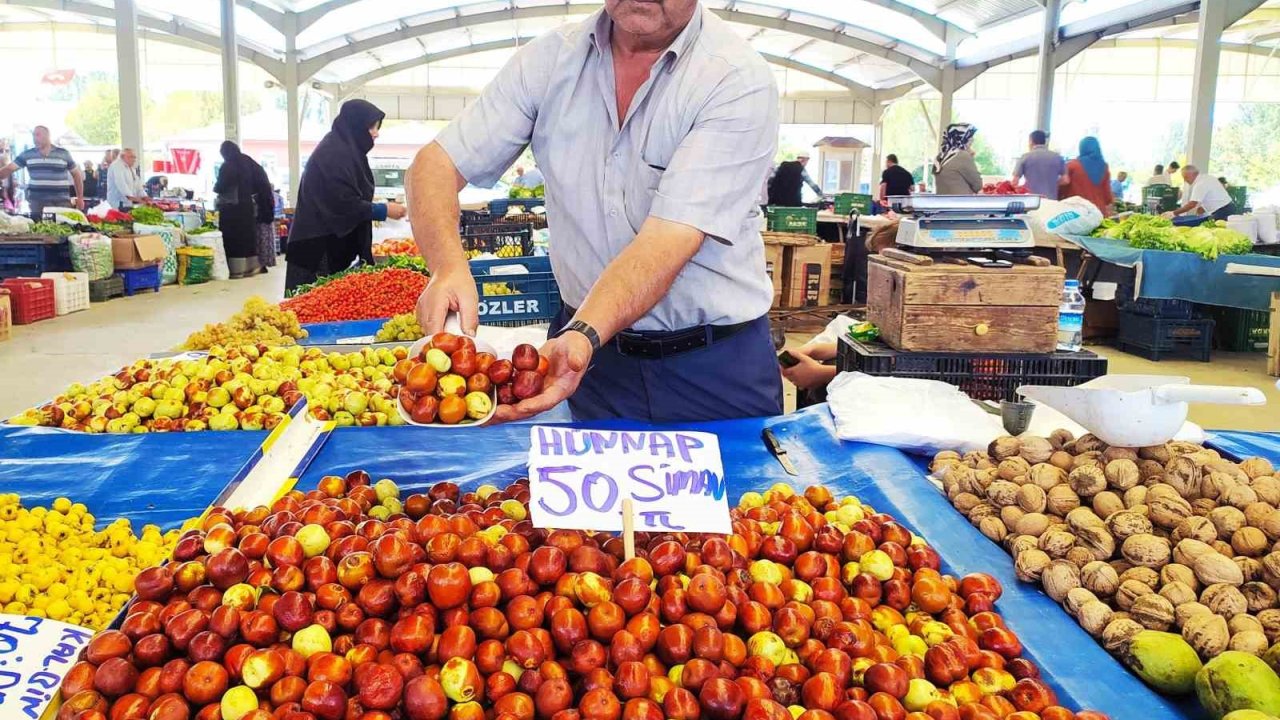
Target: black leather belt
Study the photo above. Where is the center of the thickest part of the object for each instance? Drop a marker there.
(653, 345)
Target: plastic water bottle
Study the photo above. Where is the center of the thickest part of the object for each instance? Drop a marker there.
(1071, 318)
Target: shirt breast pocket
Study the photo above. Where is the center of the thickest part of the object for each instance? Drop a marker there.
(641, 187)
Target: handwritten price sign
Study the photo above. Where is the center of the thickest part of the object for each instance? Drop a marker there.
(578, 479)
(35, 654)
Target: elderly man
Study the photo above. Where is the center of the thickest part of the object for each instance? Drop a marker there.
(1205, 196)
(52, 175)
(124, 187)
(654, 124)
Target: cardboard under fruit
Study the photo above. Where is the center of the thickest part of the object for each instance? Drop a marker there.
(130, 252)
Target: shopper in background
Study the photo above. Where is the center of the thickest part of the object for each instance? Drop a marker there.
(954, 170)
(895, 180)
(91, 183)
(1043, 169)
(786, 188)
(1089, 177)
(1206, 196)
(264, 209)
(1119, 185)
(334, 212)
(1158, 177)
(53, 177)
(530, 179)
(277, 202)
(8, 187)
(104, 167)
(124, 187)
(156, 185)
(236, 212)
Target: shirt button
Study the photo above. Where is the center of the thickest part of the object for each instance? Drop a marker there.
(614, 213)
(617, 155)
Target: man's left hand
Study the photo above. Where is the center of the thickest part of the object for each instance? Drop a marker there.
(807, 373)
(568, 358)
(80, 203)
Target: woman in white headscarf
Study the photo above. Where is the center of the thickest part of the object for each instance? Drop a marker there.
(954, 170)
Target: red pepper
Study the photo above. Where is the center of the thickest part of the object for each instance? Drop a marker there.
(360, 296)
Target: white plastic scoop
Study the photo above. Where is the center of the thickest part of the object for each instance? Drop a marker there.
(1136, 410)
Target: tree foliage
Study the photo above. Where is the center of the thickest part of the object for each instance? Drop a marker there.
(96, 118)
(1245, 149)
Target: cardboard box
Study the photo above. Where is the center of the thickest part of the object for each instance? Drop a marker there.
(806, 280)
(131, 252)
(773, 267)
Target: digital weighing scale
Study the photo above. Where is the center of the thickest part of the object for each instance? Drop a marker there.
(964, 223)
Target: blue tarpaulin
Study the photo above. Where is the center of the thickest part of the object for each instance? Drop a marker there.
(165, 478)
(1170, 275)
(1241, 445)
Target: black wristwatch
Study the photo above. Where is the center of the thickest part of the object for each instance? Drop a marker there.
(587, 331)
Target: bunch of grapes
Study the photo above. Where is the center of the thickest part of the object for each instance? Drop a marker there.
(257, 322)
(401, 328)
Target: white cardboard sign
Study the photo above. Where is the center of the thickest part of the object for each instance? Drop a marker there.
(578, 479)
(35, 654)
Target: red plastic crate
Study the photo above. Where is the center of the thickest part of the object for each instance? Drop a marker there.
(32, 299)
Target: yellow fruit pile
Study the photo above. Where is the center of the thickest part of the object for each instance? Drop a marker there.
(506, 251)
(259, 322)
(401, 328)
(54, 564)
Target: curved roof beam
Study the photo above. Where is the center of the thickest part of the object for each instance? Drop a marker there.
(348, 87)
(203, 37)
(929, 21)
(314, 63)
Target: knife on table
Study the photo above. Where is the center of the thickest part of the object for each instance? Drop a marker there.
(775, 447)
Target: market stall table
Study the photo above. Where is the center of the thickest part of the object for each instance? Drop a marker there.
(165, 478)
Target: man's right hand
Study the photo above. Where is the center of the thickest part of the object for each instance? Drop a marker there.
(449, 291)
(395, 211)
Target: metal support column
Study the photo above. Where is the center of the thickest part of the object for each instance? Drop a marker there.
(230, 73)
(948, 89)
(292, 114)
(130, 84)
(1048, 41)
(877, 147)
(1204, 85)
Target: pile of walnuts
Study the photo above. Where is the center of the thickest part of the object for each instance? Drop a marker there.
(1172, 537)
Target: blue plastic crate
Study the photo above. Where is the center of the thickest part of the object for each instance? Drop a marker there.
(145, 278)
(517, 299)
(498, 206)
(33, 259)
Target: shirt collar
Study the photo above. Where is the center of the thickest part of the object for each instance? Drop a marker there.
(677, 48)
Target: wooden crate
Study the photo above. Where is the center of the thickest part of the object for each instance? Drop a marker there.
(964, 308)
(773, 266)
(1273, 342)
(806, 276)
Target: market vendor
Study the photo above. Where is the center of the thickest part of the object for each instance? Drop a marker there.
(1206, 196)
(654, 125)
(53, 177)
(124, 187)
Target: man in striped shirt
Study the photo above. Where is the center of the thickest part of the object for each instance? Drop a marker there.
(52, 175)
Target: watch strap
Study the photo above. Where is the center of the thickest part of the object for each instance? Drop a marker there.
(586, 330)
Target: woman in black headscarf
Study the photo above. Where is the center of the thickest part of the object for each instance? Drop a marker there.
(332, 223)
(236, 212)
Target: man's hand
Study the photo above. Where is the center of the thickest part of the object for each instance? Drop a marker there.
(79, 203)
(449, 291)
(395, 211)
(568, 358)
(808, 373)
(1170, 214)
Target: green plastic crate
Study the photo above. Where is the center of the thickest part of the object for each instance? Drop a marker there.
(1167, 195)
(792, 219)
(1241, 330)
(1240, 197)
(848, 202)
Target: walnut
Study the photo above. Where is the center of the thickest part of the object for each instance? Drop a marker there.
(1031, 498)
(1002, 493)
(1259, 595)
(1250, 568)
(1121, 566)
(1255, 513)
(1124, 525)
(1129, 591)
(1099, 578)
(1152, 612)
(1181, 447)
(1057, 543)
(1030, 564)
(1107, 503)
(1089, 443)
(1187, 550)
(965, 502)
(1075, 598)
(1225, 600)
(977, 460)
(1058, 438)
(1271, 569)
(1046, 476)
(1201, 507)
(1079, 556)
(1033, 524)
(982, 510)
(1250, 641)
(1249, 541)
(1184, 612)
(1035, 449)
(1004, 447)
(1150, 470)
(1167, 511)
(1207, 633)
(992, 528)
(1268, 489)
(1097, 540)
(1157, 453)
(1012, 469)
(1146, 550)
(1212, 568)
(1094, 617)
(1183, 475)
(1239, 496)
(1222, 547)
(1270, 620)
(1087, 481)
(1244, 622)
(1226, 520)
(1196, 528)
(1018, 544)
(1213, 485)
(1120, 615)
(1119, 453)
(1011, 515)
(1135, 496)
(1061, 499)
(1062, 460)
(1144, 575)
(1256, 467)
(945, 456)
(1118, 633)
(1175, 573)
(1122, 474)
(1083, 517)
(1060, 578)
(1271, 526)
(1178, 593)
(1089, 460)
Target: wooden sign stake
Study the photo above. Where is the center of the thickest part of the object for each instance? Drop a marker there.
(628, 529)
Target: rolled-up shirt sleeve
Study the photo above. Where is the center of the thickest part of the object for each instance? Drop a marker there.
(485, 140)
(714, 176)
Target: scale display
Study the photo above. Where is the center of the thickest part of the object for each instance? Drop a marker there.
(963, 234)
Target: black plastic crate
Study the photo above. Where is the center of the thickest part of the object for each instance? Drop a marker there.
(980, 376)
(1158, 338)
(505, 241)
(34, 259)
(1151, 307)
(106, 288)
(475, 217)
(1240, 330)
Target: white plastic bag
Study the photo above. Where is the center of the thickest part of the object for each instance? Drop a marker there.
(888, 411)
(91, 254)
(213, 239)
(1072, 216)
(99, 210)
